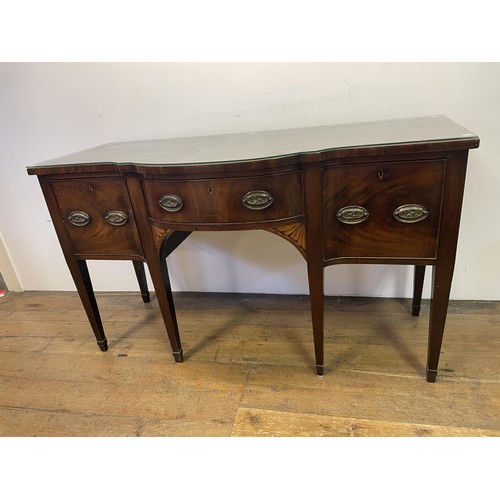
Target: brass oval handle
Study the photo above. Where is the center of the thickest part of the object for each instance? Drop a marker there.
(116, 218)
(257, 200)
(352, 214)
(79, 218)
(171, 202)
(410, 213)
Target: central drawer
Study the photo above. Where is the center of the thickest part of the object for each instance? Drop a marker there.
(239, 200)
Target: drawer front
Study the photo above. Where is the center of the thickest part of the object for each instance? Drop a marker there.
(387, 209)
(240, 200)
(98, 216)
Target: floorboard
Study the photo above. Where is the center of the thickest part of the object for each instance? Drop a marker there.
(248, 369)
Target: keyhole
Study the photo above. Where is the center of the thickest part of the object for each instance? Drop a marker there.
(210, 189)
(380, 174)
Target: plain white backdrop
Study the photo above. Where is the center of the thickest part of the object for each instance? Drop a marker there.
(50, 109)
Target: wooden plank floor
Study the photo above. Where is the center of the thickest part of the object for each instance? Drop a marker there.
(248, 369)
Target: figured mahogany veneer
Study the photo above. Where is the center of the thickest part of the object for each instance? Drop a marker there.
(215, 201)
(378, 192)
(381, 188)
(96, 197)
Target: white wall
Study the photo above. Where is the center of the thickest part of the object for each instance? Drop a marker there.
(47, 110)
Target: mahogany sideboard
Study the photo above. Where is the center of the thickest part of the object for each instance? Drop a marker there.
(386, 192)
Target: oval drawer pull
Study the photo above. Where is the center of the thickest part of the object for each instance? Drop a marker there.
(79, 218)
(171, 202)
(116, 218)
(257, 200)
(352, 214)
(411, 213)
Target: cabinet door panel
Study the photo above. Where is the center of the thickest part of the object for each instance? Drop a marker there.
(388, 209)
(98, 216)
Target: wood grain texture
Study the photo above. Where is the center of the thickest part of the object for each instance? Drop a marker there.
(249, 368)
(381, 188)
(269, 423)
(98, 196)
(293, 233)
(219, 201)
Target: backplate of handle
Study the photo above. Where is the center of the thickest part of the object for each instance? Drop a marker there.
(171, 202)
(410, 213)
(257, 200)
(352, 214)
(79, 218)
(116, 218)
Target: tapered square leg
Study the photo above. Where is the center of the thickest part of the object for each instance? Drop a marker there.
(317, 314)
(441, 278)
(81, 277)
(157, 268)
(141, 278)
(442, 271)
(418, 285)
